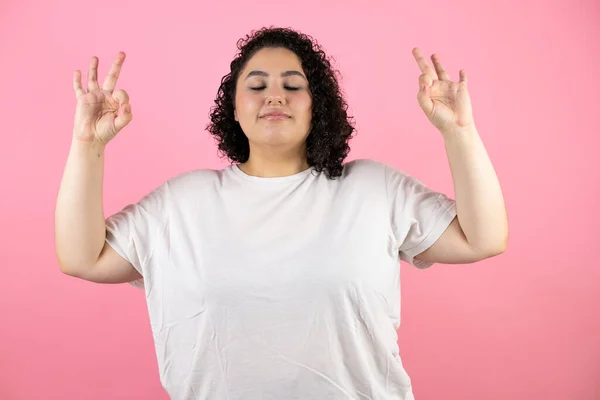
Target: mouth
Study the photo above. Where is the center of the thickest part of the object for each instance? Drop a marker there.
(275, 115)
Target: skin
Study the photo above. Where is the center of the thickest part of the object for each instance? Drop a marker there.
(273, 80)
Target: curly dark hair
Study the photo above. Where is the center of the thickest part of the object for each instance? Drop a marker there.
(331, 128)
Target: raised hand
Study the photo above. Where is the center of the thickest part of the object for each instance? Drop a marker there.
(101, 112)
(447, 104)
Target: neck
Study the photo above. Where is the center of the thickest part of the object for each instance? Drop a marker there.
(273, 166)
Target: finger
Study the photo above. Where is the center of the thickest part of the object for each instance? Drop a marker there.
(441, 72)
(121, 96)
(463, 76)
(113, 75)
(93, 74)
(77, 87)
(425, 79)
(423, 64)
(124, 116)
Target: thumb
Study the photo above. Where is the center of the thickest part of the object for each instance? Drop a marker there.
(124, 116)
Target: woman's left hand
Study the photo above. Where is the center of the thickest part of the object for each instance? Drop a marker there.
(447, 104)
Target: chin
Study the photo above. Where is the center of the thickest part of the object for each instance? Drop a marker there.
(276, 136)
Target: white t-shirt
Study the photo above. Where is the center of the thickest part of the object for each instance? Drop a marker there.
(279, 288)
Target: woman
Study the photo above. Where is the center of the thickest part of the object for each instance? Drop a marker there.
(277, 277)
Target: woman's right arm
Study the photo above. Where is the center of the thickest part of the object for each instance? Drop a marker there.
(80, 231)
(79, 226)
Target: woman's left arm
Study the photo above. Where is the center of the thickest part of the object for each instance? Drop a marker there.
(480, 229)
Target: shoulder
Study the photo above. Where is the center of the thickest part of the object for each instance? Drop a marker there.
(180, 185)
(363, 166)
(370, 169)
(189, 179)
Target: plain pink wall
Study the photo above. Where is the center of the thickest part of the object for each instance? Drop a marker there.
(522, 326)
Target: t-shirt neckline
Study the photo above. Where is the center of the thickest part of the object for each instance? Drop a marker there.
(278, 179)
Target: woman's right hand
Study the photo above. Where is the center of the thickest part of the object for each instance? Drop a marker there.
(101, 112)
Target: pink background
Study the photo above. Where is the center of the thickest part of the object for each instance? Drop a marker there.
(522, 326)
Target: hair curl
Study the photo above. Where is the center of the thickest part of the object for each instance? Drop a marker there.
(331, 128)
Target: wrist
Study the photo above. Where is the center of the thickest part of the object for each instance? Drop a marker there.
(459, 132)
(87, 146)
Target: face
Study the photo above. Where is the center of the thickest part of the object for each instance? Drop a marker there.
(272, 101)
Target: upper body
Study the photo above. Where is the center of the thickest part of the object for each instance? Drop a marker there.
(278, 277)
(285, 287)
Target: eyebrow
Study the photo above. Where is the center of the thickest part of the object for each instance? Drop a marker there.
(283, 74)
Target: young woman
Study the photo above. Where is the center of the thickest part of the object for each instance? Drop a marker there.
(277, 277)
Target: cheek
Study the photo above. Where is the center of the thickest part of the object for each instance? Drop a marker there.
(246, 103)
(300, 102)
(305, 104)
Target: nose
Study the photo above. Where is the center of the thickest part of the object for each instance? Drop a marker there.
(275, 96)
(275, 100)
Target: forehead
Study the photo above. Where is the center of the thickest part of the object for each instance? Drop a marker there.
(273, 60)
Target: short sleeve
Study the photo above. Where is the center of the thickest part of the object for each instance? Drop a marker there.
(419, 215)
(135, 231)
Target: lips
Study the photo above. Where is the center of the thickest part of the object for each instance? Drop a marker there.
(275, 115)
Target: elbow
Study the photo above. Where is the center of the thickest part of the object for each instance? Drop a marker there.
(499, 245)
(62, 266)
(69, 268)
(490, 249)
(497, 251)
(497, 248)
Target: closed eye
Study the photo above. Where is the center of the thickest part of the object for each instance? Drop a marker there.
(259, 88)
